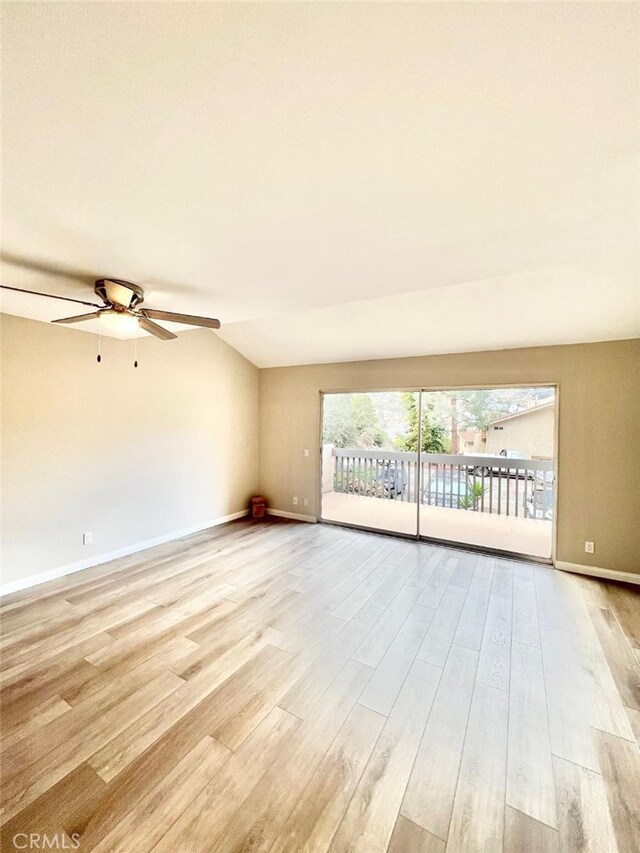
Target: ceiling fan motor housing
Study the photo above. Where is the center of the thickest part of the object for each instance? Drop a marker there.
(119, 293)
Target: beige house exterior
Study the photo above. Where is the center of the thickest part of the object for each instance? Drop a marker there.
(530, 432)
(472, 441)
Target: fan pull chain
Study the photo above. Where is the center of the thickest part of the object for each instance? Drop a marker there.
(99, 359)
(135, 352)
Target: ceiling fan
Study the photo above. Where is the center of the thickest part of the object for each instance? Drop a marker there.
(120, 309)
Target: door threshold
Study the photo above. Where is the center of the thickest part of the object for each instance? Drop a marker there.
(411, 537)
(493, 552)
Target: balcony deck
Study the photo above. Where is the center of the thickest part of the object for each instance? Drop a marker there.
(505, 533)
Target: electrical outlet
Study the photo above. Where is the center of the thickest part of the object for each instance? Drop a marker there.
(295, 501)
(589, 547)
(306, 501)
(87, 538)
(306, 451)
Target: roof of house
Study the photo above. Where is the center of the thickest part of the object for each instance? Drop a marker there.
(523, 412)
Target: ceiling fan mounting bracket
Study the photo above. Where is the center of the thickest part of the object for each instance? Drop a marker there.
(104, 285)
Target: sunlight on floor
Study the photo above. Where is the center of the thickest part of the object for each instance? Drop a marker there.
(506, 533)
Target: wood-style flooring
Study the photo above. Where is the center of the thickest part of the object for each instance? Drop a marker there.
(293, 687)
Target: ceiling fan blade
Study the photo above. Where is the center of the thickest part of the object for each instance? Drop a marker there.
(57, 270)
(79, 318)
(50, 296)
(155, 329)
(190, 319)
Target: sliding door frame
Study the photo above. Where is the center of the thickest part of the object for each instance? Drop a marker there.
(419, 537)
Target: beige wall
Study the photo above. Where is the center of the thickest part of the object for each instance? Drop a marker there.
(599, 431)
(128, 454)
(132, 455)
(531, 433)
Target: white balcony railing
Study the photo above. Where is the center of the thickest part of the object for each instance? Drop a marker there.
(493, 484)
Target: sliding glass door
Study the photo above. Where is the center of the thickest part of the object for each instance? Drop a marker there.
(467, 466)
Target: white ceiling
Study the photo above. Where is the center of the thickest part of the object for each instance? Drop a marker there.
(332, 181)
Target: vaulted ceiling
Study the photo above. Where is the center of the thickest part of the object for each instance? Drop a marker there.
(333, 181)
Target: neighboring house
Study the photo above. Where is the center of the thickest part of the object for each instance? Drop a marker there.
(472, 441)
(531, 432)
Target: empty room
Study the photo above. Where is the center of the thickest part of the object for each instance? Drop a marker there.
(320, 341)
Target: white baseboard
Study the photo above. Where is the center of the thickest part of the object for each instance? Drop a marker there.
(296, 516)
(597, 572)
(90, 562)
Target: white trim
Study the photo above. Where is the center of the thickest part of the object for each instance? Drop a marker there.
(281, 513)
(90, 562)
(597, 572)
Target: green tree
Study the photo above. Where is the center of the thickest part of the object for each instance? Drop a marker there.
(434, 438)
(366, 421)
(338, 427)
(351, 420)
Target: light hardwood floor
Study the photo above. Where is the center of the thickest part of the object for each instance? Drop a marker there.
(292, 687)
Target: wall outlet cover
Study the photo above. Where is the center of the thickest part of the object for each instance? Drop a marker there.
(589, 547)
(87, 538)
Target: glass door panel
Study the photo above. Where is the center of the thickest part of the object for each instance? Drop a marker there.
(486, 468)
(370, 460)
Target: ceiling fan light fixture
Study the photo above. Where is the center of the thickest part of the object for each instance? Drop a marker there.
(121, 322)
